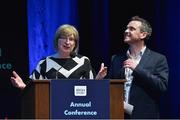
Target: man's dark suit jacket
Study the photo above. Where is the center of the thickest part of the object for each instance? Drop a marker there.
(150, 80)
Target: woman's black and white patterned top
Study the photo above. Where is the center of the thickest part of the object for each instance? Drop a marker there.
(78, 67)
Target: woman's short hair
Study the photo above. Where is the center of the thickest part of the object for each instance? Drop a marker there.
(65, 31)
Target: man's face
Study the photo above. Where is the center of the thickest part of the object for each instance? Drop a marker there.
(132, 33)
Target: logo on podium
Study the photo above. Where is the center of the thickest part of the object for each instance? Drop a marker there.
(80, 90)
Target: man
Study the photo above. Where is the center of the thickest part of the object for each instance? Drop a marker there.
(146, 72)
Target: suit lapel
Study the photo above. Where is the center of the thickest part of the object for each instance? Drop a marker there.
(124, 57)
(145, 58)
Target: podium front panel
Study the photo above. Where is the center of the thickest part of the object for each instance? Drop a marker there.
(36, 97)
(80, 99)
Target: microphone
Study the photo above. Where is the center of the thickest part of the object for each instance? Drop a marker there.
(72, 55)
(57, 72)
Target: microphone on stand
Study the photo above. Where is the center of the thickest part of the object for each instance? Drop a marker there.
(72, 55)
(57, 72)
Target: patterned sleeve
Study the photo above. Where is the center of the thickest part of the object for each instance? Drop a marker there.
(89, 74)
(38, 72)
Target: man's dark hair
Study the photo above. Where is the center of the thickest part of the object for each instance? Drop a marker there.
(145, 27)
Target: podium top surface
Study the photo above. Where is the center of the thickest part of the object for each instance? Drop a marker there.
(48, 80)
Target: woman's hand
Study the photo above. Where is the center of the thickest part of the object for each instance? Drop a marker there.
(17, 81)
(102, 72)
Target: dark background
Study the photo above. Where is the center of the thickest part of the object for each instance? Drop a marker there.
(101, 24)
(14, 47)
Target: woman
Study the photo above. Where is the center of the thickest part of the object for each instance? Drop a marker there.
(66, 63)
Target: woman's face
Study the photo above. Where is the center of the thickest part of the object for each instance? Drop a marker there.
(66, 44)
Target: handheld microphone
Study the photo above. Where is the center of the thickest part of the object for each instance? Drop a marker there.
(72, 55)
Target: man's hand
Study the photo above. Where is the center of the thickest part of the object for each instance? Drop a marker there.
(129, 63)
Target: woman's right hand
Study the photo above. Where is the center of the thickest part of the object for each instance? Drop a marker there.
(17, 81)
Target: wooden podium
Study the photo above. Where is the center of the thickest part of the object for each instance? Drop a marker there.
(36, 100)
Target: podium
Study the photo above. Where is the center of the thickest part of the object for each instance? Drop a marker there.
(36, 99)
